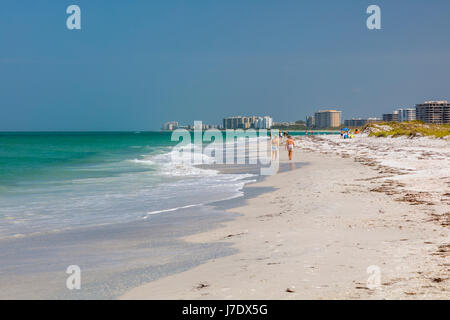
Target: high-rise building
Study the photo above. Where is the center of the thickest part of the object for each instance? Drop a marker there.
(170, 126)
(408, 114)
(437, 112)
(355, 122)
(391, 117)
(310, 122)
(227, 123)
(327, 119)
(268, 122)
(247, 122)
(239, 122)
(360, 122)
(233, 122)
(263, 123)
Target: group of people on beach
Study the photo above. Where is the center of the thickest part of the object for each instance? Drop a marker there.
(348, 133)
(277, 139)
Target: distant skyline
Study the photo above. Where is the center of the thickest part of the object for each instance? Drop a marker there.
(137, 64)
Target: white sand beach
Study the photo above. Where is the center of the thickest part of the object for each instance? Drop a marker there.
(354, 206)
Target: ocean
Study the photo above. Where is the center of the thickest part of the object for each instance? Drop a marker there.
(59, 181)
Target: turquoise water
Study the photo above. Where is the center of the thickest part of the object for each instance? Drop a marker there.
(54, 181)
(34, 158)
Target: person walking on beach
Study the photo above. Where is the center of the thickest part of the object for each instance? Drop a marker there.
(275, 146)
(290, 146)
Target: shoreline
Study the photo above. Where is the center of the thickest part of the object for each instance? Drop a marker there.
(315, 236)
(118, 256)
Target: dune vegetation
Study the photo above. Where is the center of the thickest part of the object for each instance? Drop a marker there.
(410, 129)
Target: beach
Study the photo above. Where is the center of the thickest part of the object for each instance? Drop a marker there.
(225, 151)
(365, 218)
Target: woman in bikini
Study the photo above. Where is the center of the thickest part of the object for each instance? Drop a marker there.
(290, 146)
(275, 145)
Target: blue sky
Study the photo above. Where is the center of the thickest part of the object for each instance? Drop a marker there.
(136, 64)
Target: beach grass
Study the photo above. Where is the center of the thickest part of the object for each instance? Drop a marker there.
(410, 129)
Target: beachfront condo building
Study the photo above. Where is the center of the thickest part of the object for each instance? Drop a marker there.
(360, 122)
(310, 122)
(437, 112)
(263, 123)
(408, 114)
(239, 122)
(170, 126)
(400, 115)
(327, 119)
(391, 117)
